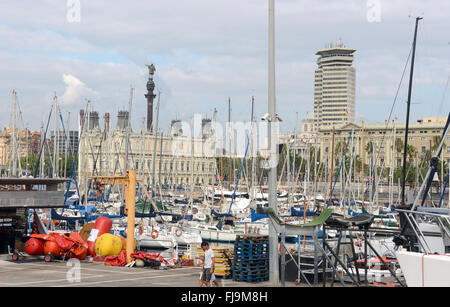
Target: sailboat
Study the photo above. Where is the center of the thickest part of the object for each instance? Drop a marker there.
(421, 263)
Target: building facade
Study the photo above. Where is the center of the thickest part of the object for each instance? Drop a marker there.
(422, 136)
(178, 160)
(334, 87)
(27, 143)
(65, 141)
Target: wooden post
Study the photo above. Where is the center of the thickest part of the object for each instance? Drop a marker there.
(130, 200)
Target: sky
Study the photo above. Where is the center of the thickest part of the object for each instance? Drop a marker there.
(207, 51)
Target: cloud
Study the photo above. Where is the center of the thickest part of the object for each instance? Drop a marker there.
(205, 52)
(75, 90)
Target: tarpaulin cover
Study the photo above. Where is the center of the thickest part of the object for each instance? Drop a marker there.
(119, 260)
(149, 256)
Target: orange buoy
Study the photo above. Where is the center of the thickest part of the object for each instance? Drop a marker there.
(34, 247)
(52, 248)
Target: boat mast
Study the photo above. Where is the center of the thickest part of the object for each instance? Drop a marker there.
(229, 143)
(391, 175)
(331, 169)
(127, 135)
(155, 134)
(253, 155)
(86, 142)
(13, 169)
(408, 110)
(55, 145)
(66, 148)
(41, 169)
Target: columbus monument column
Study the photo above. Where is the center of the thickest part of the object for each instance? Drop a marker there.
(150, 96)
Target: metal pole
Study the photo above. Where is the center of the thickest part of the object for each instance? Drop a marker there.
(283, 259)
(273, 236)
(316, 244)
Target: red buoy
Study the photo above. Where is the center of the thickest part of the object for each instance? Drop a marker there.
(102, 225)
(34, 247)
(52, 248)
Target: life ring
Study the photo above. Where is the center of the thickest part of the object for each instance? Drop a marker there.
(154, 234)
(179, 232)
(245, 210)
(358, 244)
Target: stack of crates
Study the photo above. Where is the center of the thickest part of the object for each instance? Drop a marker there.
(251, 258)
(223, 259)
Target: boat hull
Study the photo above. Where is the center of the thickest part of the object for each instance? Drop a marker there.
(425, 270)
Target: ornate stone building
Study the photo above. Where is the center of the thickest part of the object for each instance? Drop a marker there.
(421, 137)
(27, 142)
(174, 163)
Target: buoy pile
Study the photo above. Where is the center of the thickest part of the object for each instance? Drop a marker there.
(57, 245)
(93, 240)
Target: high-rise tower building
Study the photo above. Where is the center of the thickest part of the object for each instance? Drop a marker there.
(334, 87)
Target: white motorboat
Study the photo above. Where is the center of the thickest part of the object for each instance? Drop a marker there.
(185, 237)
(148, 237)
(198, 215)
(212, 233)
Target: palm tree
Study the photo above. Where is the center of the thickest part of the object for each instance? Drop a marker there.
(369, 147)
(411, 152)
(399, 147)
(436, 141)
(339, 147)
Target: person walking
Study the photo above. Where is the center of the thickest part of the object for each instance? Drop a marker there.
(208, 265)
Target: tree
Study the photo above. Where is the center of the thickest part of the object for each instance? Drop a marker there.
(411, 152)
(436, 141)
(369, 147)
(398, 147)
